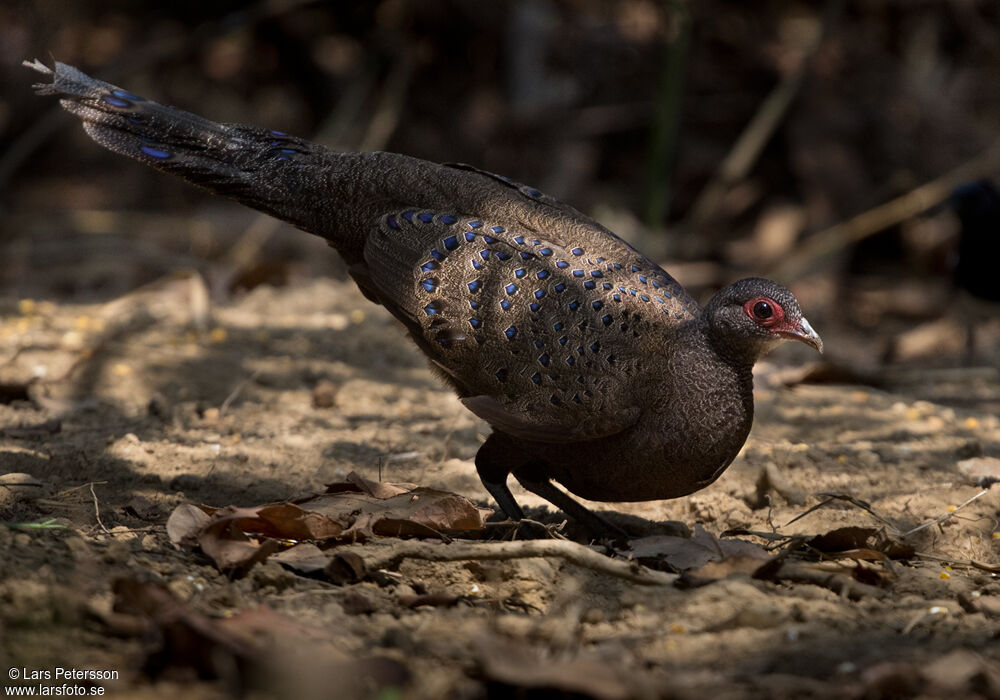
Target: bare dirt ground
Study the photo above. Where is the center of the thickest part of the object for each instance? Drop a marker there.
(136, 410)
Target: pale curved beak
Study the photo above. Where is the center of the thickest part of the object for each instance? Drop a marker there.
(804, 333)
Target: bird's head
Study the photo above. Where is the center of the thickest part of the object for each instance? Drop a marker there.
(751, 316)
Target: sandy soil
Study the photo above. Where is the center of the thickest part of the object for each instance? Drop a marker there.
(154, 401)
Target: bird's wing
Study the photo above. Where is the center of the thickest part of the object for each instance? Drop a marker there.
(542, 340)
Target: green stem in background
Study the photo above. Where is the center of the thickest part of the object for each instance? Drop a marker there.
(666, 118)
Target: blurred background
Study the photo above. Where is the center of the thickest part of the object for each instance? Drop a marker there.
(820, 143)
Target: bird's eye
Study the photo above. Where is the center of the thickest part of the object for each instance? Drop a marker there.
(763, 310)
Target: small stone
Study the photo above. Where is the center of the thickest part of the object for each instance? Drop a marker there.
(324, 394)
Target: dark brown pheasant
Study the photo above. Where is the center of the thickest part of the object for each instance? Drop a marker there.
(594, 367)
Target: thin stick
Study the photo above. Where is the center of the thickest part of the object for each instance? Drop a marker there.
(944, 517)
(759, 130)
(576, 554)
(825, 243)
(236, 392)
(97, 509)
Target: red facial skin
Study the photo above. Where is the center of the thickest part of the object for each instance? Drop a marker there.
(772, 316)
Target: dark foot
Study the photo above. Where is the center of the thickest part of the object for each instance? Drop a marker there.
(597, 526)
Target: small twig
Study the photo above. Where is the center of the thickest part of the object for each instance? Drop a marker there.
(944, 517)
(857, 502)
(829, 241)
(759, 130)
(576, 554)
(97, 509)
(236, 392)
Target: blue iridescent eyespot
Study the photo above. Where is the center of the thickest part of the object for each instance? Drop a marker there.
(451, 242)
(596, 273)
(606, 320)
(577, 251)
(504, 304)
(484, 254)
(426, 217)
(436, 254)
(562, 264)
(519, 273)
(574, 305)
(519, 240)
(642, 279)
(533, 306)
(475, 224)
(429, 284)
(578, 273)
(557, 326)
(497, 229)
(474, 285)
(511, 332)
(597, 304)
(539, 293)
(510, 288)
(536, 378)
(545, 251)
(589, 284)
(542, 274)
(155, 152)
(470, 236)
(391, 221)
(408, 215)
(543, 360)
(475, 322)
(115, 102)
(448, 219)
(429, 265)
(125, 94)
(559, 287)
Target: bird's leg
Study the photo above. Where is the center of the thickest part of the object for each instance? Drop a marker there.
(598, 526)
(493, 473)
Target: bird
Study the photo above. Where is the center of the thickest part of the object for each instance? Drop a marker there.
(977, 206)
(594, 368)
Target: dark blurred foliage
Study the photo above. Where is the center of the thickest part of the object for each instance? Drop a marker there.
(624, 109)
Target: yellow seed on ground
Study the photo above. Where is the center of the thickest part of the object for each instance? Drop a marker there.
(677, 629)
(26, 306)
(945, 575)
(841, 458)
(121, 370)
(218, 335)
(357, 316)
(971, 423)
(82, 323)
(952, 509)
(912, 414)
(859, 396)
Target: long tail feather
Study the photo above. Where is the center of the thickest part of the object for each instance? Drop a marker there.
(268, 170)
